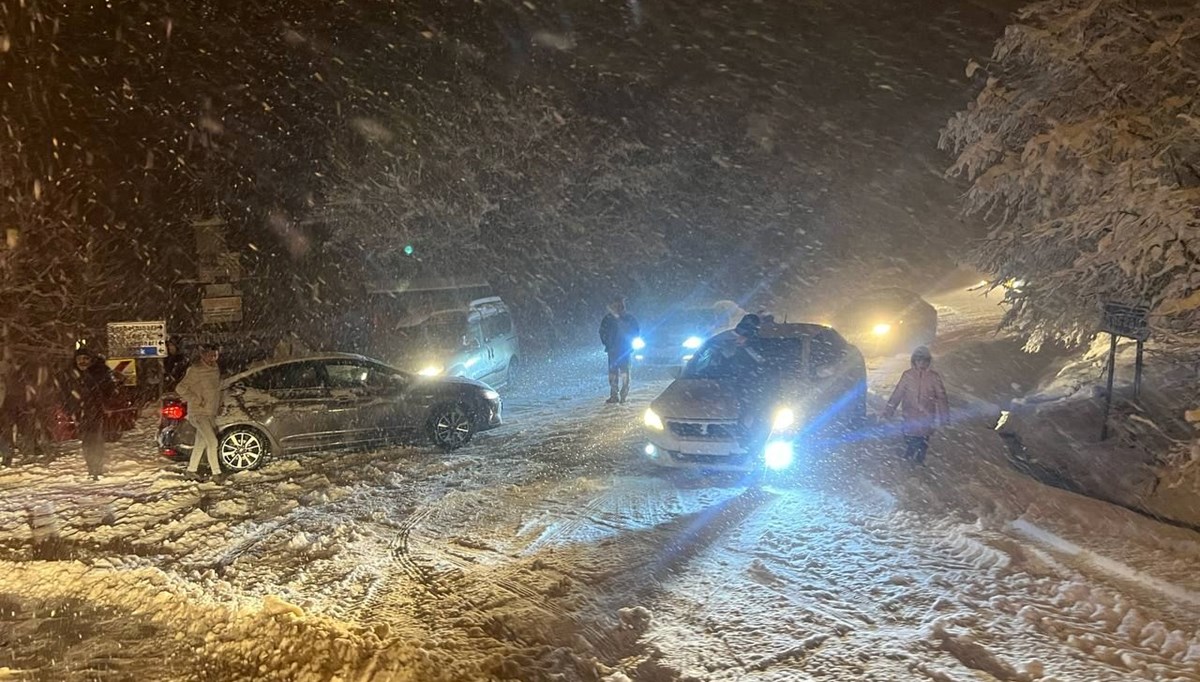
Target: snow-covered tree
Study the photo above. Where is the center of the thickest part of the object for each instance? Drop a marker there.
(516, 186)
(1083, 150)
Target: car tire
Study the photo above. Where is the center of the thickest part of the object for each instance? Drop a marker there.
(242, 448)
(450, 426)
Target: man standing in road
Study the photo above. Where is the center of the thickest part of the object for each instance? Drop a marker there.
(200, 388)
(618, 330)
(921, 395)
(86, 388)
(174, 365)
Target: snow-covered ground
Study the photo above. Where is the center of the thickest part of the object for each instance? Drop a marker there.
(550, 550)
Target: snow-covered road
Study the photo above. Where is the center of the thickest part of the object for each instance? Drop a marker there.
(550, 550)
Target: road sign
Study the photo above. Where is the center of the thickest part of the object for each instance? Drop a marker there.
(125, 369)
(137, 339)
(1131, 321)
(1126, 320)
(221, 309)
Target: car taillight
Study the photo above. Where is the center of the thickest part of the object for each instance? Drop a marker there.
(174, 411)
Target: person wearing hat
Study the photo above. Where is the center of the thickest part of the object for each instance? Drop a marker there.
(200, 388)
(618, 330)
(174, 365)
(754, 387)
(86, 388)
(921, 397)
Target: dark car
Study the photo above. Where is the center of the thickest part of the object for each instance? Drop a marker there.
(804, 380)
(888, 321)
(673, 339)
(332, 401)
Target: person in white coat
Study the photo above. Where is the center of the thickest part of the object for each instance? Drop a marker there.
(201, 390)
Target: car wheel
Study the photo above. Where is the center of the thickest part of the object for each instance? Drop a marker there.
(243, 448)
(451, 426)
(514, 371)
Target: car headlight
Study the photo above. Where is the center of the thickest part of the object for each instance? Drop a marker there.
(431, 371)
(652, 420)
(491, 395)
(779, 455)
(881, 329)
(693, 342)
(784, 418)
(639, 343)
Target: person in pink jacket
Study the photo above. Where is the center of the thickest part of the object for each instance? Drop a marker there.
(921, 396)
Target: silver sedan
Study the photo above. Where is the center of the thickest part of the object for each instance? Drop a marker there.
(332, 401)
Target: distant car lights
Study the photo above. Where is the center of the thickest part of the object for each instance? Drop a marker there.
(693, 342)
(638, 343)
(881, 329)
(430, 371)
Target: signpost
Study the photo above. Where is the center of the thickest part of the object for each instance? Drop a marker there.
(1132, 322)
(125, 369)
(137, 339)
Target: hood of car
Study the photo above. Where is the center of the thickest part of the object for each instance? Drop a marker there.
(696, 399)
(458, 382)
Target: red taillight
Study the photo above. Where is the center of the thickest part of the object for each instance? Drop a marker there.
(174, 411)
(168, 452)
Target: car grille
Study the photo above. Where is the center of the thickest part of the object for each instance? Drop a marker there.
(704, 430)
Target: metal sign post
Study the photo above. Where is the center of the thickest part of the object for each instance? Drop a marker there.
(1132, 322)
(129, 342)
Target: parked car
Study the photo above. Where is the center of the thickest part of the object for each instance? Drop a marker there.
(331, 401)
(888, 321)
(120, 415)
(815, 382)
(476, 341)
(673, 339)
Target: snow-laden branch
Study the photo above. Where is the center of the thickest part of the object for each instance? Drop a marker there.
(1082, 149)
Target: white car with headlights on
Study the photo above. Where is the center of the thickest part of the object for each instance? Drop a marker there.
(746, 405)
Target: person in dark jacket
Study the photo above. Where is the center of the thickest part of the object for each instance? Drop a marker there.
(35, 404)
(618, 330)
(86, 387)
(175, 365)
(754, 385)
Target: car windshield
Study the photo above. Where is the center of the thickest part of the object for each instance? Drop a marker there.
(442, 331)
(688, 323)
(724, 359)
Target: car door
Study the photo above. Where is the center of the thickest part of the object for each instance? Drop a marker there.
(504, 342)
(477, 361)
(488, 332)
(365, 401)
(290, 400)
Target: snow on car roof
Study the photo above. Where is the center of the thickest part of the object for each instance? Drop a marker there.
(792, 329)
